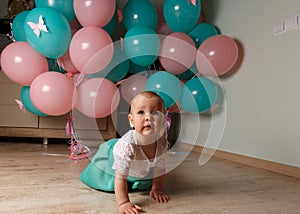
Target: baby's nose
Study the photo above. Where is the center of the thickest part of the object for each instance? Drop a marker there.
(147, 116)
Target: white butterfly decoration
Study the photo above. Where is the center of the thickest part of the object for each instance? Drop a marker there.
(37, 28)
(20, 104)
(193, 2)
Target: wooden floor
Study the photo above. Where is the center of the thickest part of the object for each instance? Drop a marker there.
(41, 179)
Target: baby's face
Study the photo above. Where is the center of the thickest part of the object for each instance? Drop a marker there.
(147, 115)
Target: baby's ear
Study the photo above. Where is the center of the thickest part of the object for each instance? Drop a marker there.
(130, 119)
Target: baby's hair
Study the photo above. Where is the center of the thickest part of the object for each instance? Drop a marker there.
(148, 94)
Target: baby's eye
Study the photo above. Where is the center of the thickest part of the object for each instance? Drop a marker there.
(156, 113)
(141, 112)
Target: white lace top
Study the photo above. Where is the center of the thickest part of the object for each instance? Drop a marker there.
(130, 159)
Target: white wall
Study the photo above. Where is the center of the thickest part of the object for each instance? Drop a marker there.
(263, 96)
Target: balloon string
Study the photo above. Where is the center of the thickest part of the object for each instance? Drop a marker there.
(69, 126)
(80, 79)
(168, 122)
(77, 150)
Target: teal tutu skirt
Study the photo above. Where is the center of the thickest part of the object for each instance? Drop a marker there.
(99, 174)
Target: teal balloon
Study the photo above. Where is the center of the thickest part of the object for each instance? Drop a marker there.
(63, 6)
(111, 25)
(186, 75)
(18, 26)
(141, 45)
(55, 40)
(166, 85)
(139, 13)
(53, 66)
(116, 69)
(198, 95)
(135, 68)
(25, 98)
(202, 32)
(181, 15)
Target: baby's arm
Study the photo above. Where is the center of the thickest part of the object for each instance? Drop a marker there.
(156, 190)
(122, 198)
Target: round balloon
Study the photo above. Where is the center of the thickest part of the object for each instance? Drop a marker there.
(91, 49)
(177, 52)
(166, 85)
(54, 66)
(18, 26)
(135, 68)
(21, 63)
(66, 63)
(186, 75)
(132, 86)
(201, 32)
(111, 25)
(216, 55)
(25, 98)
(63, 6)
(47, 31)
(181, 15)
(117, 68)
(52, 93)
(141, 45)
(139, 12)
(97, 97)
(198, 95)
(94, 12)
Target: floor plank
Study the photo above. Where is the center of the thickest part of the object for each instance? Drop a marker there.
(35, 178)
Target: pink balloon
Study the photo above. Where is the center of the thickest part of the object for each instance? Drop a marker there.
(177, 53)
(216, 55)
(132, 86)
(21, 63)
(94, 12)
(66, 63)
(97, 97)
(52, 93)
(76, 78)
(65, 60)
(91, 49)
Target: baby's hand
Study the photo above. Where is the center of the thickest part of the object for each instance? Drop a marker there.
(129, 208)
(159, 196)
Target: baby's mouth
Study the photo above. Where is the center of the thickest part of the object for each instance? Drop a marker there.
(148, 126)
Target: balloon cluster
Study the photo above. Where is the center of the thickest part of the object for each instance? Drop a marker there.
(77, 36)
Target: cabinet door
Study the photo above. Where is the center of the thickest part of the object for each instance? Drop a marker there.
(93, 129)
(10, 113)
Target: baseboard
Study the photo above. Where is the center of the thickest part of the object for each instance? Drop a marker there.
(250, 161)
